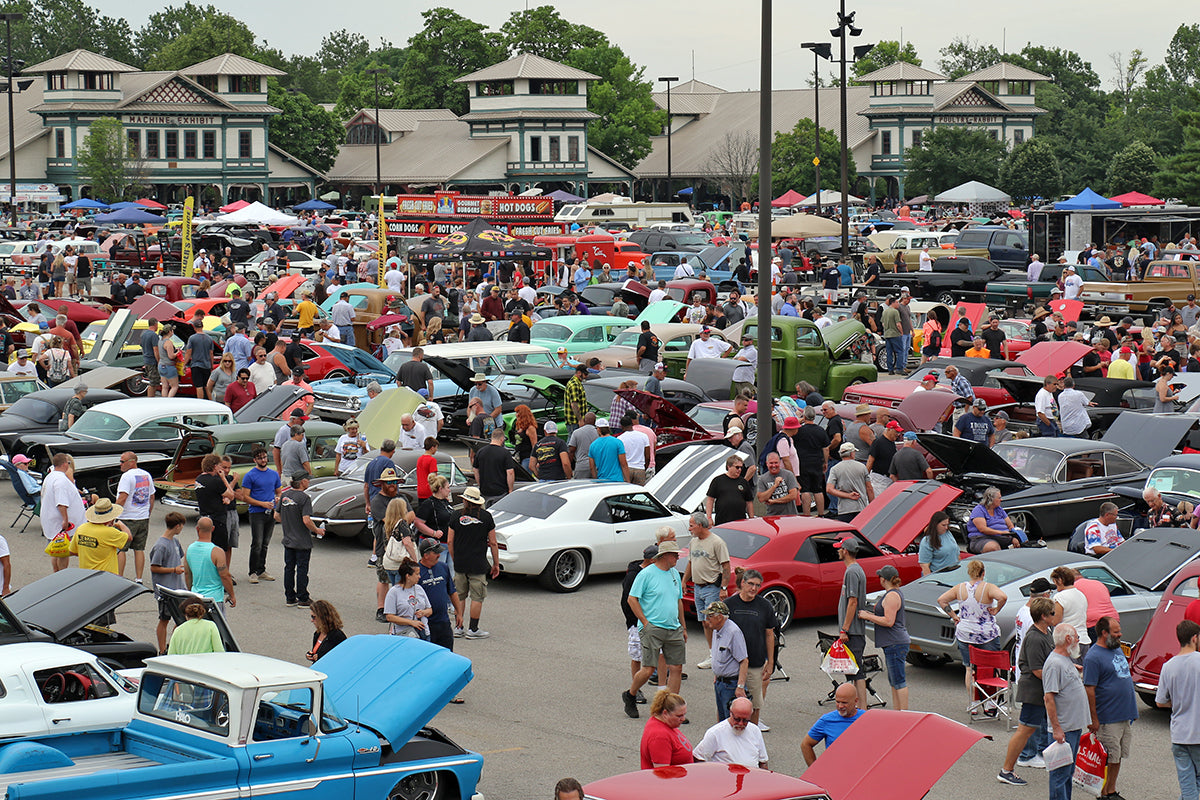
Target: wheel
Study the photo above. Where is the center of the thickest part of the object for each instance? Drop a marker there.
(1148, 699)
(925, 660)
(566, 571)
(1024, 521)
(880, 358)
(337, 373)
(418, 786)
(135, 385)
(252, 277)
(946, 298)
(783, 604)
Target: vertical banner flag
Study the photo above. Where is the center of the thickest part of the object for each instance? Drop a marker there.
(185, 229)
(382, 256)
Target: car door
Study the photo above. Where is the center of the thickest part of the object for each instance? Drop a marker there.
(633, 518)
(320, 454)
(286, 750)
(1134, 607)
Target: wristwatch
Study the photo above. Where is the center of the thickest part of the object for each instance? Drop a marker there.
(742, 687)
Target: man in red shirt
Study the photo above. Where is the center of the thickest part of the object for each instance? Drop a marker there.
(427, 465)
(241, 391)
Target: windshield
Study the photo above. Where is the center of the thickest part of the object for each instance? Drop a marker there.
(741, 544)
(690, 240)
(357, 360)
(1035, 463)
(627, 338)
(15, 390)
(100, 425)
(996, 572)
(711, 417)
(34, 409)
(549, 330)
(1175, 480)
(529, 504)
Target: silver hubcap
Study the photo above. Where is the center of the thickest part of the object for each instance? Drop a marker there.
(422, 786)
(568, 569)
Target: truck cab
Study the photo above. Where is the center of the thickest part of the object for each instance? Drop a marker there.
(1005, 247)
(910, 243)
(830, 359)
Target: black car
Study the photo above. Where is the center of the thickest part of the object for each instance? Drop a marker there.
(1111, 398)
(39, 412)
(654, 240)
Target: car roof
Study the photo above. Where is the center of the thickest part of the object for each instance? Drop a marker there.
(1035, 559)
(1184, 461)
(1065, 444)
(242, 670)
(35, 655)
(580, 321)
(138, 408)
(471, 349)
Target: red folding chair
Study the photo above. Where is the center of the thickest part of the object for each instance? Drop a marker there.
(993, 687)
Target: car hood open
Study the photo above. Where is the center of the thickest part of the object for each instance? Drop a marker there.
(1151, 558)
(840, 336)
(149, 306)
(457, 371)
(1023, 388)
(1149, 437)
(661, 312)
(381, 419)
(271, 403)
(431, 676)
(1051, 358)
(857, 767)
(663, 413)
(684, 480)
(65, 601)
(926, 409)
(898, 516)
(962, 456)
(111, 340)
(105, 377)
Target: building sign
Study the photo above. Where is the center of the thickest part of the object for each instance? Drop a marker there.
(33, 193)
(970, 119)
(420, 228)
(161, 119)
(455, 204)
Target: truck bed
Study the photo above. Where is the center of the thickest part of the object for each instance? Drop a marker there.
(84, 765)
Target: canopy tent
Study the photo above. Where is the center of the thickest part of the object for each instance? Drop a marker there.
(257, 212)
(559, 196)
(799, 226)
(334, 195)
(234, 206)
(126, 204)
(1127, 199)
(85, 202)
(154, 204)
(478, 241)
(972, 192)
(609, 197)
(831, 198)
(1087, 199)
(919, 200)
(314, 205)
(788, 199)
(135, 215)
(685, 190)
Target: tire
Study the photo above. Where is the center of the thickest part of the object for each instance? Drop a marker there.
(252, 277)
(880, 358)
(418, 786)
(784, 605)
(1026, 522)
(1148, 699)
(337, 373)
(566, 571)
(135, 386)
(946, 298)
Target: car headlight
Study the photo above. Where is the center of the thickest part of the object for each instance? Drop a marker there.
(355, 402)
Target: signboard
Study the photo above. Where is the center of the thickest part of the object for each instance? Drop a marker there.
(33, 193)
(454, 204)
(185, 231)
(381, 257)
(421, 228)
(169, 119)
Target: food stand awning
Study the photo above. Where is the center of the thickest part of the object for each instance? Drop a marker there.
(479, 241)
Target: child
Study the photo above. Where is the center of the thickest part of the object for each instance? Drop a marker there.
(166, 570)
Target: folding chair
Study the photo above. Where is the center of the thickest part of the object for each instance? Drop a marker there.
(992, 685)
(30, 506)
(780, 673)
(870, 667)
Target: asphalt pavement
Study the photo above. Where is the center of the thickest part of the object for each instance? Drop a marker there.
(545, 701)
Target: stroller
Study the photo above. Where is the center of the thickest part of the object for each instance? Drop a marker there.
(870, 667)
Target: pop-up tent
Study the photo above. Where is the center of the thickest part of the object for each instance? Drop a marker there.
(973, 193)
(131, 215)
(559, 196)
(1087, 199)
(479, 241)
(1127, 199)
(788, 199)
(831, 198)
(314, 205)
(263, 215)
(236, 205)
(801, 226)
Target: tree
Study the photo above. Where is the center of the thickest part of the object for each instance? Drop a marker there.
(964, 55)
(208, 37)
(792, 154)
(1180, 174)
(949, 156)
(543, 32)
(106, 163)
(356, 91)
(1132, 169)
(342, 48)
(886, 52)
(624, 100)
(1129, 72)
(304, 129)
(447, 47)
(734, 164)
(1183, 54)
(1031, 171)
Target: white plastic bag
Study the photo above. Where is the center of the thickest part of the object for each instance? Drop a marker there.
(1058, 755)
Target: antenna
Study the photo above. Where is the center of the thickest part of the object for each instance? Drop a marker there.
(693, 65)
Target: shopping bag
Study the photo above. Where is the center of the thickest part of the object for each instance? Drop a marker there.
(1057, 755)
(1091, 765)
(60, 545)
(838, 660)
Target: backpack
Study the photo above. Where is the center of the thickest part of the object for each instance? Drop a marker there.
(935, 340)
(58, 370)
(767, 449)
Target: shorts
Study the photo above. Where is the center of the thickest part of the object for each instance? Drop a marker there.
(474, 586)
(164, 609)
(635, 643)
(231, 529)
(894, 656)
(811, 480)
(168, 371)
(754, 686)
(1116, 738)
(975, 544)
(856, 644)
(704, 596)
(964, 648)
(668, 641)
(140, 528)
(85, 285)
(151, 370)
(200, 377)
(386, 576)
(1033, 716)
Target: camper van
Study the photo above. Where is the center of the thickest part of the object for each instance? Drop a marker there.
(636, 215)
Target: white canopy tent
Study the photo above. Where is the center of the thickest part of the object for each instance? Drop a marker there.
(831, 198)
(973, 192)
(259, 213)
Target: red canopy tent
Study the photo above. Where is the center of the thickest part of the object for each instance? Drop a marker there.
(1137, 199)
(788, 199)
(148, 203)
(236, 205)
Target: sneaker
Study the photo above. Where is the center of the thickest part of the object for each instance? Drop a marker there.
(1113, 796)
(641, 698)
(1037, 762)
(631, 709)
(380, 616)
(705, 664)
(233, 581)
(1011, 778)
(304, 603)
(470, 634)
(265, 576)
(764, 727)
(253, 578)
(458, 633)
(292, 604)
(139, 582)
(373, 561)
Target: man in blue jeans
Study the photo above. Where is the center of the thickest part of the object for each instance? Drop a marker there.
(730, 662)
(1179, 690)
(1066, 704)
(264, 486)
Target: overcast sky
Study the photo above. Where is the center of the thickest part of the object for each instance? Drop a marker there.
(722, 37)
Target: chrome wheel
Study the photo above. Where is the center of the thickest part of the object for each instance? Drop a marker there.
(783, 605)
(419, 786)
(566, 571)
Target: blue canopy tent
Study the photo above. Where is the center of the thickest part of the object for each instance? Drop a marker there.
(1087, 199)
(126, 204)
(559, 196)
(131, 216)
(314, 205)
(86, 202)
(686, 190)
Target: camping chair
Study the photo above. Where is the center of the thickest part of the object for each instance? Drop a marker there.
(870, 667)
(780, 674)
(31, 506)
(992, 685)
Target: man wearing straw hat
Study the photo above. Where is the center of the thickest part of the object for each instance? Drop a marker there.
(97, 541)
(472, 534)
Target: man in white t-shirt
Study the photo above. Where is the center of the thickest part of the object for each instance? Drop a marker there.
(637, 450)
(707, 347)
(659, 294)
(62, 506)
(926, 264)
(22, 366)
(393, 278)
(135, 495)
(428, 417)
(1046, 407)
(735, 740)
(684, 270)
(1072, 283)
(528, 294)
(1102, 534)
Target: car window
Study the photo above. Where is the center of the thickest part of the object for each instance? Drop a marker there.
(284, 715)
(100, 425)
(182, 702)
(207, 419)
(1188, 588)
(538, 505)
(634, 508)
(155, 429)
(1116, 587)
(593, 334)
(741, 544)
(15, 390)
(72, 683)
(549, 330)
(322, 446)
(807, 338)
(1175, 480)
(239, 452)
(679, 344)
(1082, 466)
(1119, 464)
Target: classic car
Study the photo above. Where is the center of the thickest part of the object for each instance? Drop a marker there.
(543, 394)
(1158, 642)
(236, 722)
(802, 569)
(146, 426)
(1176, 477)
(1108, 399)
(14, 387)
(673, 337)
(40, 411)
(578, 334)
(52, 689)
(601, 390)
(257, 268)
(562, 531)
(1136, 574)
(1164, 281)
(1047, 485)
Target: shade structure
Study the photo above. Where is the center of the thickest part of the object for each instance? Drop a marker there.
(334, 195)
(685, 190)
(788, 199)
(802, 226)
(154, 204)
(1127, 199)
(126, 204)
(86, 202)
(258, 213)
(234, 206)
(314, 205)
(973, 192)
(131, 215)
(1085, 200)
(831, 198)
(478, 241)
(559, 196)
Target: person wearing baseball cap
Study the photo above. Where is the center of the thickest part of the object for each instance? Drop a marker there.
(747, 358)
(730, 661)
(880, 455)
(928, 381)
(654, 382)
(891, 634)
(297, 417)
(654, 599)
(649, 553)
(1121, 366)
(551, 459)
(850, 483)
(975, 426)
(851, 600)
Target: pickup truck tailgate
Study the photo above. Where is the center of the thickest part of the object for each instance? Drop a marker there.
(84, 765)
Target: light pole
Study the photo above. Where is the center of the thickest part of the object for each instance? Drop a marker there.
(378, 131)
(8, 18)
(668, 81)
(820, 50)
(765, 371)
(846, 25)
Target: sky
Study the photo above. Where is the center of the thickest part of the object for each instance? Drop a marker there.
(717, 41)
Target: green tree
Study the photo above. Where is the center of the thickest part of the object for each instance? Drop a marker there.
(342, 48)
(965, 55)
(949, 156)
(543, 32)
(1031, 171)
(52, 27)
(792, 154)
(1183, 54)
(356, 91)
(1132, 169)
(304, 129)
(447, 47)
(208, 37)
(1180, 174)
(623, 99)
(167, 25)
(105, 162)
(883, 54)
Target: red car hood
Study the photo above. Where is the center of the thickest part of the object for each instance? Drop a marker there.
(148, 306)
(663, 413)
(1070, 309)
(888, 754)
(898, 516)
(974, 313)
(1051, 358)
(925, 409)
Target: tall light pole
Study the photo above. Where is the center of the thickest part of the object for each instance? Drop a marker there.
(668, 81)
(765, 370)
(8, 18)
(820, 50)
(846, 26)
(378, 131)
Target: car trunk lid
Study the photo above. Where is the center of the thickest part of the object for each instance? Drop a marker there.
(181, 599)
(898, 516)
(662, 412)
(1052, 358)
(64, 602)
(1149, 437)
(962, 457)
(381, 419)
(926, 409)
(683, 482)
(1149, 559)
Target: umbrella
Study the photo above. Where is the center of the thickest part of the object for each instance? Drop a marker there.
(85, 202)
(148, 203)
(788, 199)
(131, 216)
(559, 196)
(126, 204)
(313, 205)
(686, 190)
(478, 241)
(331, 196)
(236, 205)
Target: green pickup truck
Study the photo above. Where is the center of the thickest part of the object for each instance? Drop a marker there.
(1021, 294)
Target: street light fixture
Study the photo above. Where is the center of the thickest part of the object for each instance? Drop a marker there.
(820, 50)
(668, 81)
(8, 18)
(378, 130)
(846, 27)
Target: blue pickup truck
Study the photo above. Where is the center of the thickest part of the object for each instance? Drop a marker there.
(232, 725)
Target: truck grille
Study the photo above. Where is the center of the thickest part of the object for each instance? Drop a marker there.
(333, 401)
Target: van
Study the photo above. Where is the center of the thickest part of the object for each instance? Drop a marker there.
(638, 215)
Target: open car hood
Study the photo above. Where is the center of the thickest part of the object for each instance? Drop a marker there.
(149, 305)
(456, 371)
(713, 375)
(66, 601)
(717, 257)
(684, 480)
(430, 676)
(1070, 309)
(898, 516)
(1051, 358)
(181, 599)
(1187, 386)
(661, 312)
(962, 456)
(663, 413)
(1023, 388)
(381, 419)
(271, 403)
(841, 335)
(1149, 437)
(1150, 559)
(111, 339)
(860, 766)
(972, 311)
(926, 409)
(105, 377)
